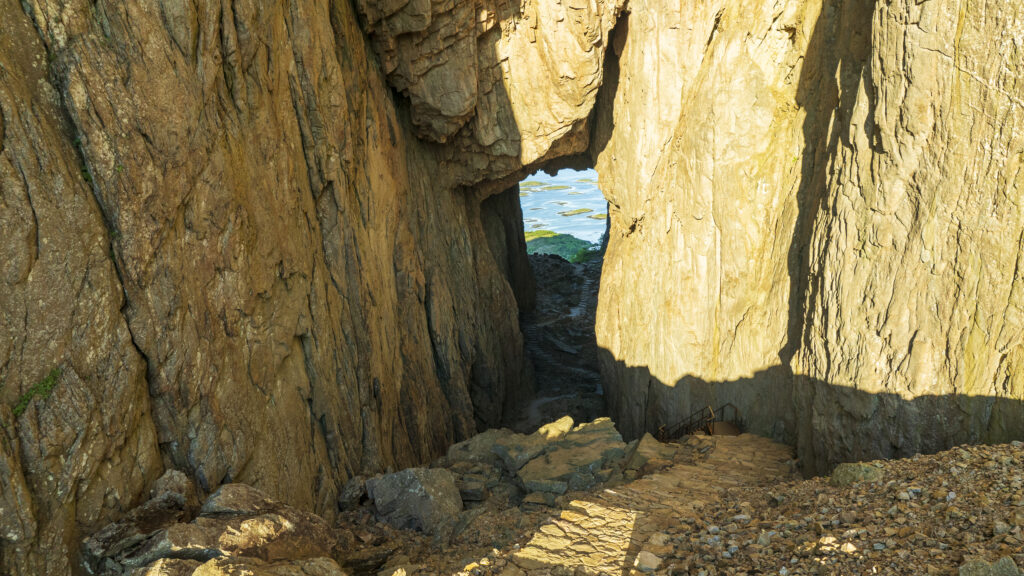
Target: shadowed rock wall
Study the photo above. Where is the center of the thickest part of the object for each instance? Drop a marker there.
(219, 224)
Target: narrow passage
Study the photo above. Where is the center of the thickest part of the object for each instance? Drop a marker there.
(565, 220)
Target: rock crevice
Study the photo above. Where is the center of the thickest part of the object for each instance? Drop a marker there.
(276, 245)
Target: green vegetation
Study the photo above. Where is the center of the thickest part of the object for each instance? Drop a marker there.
(598, 216)
(565, 245)
(586, 255)
(41, 389)
(530, 184)
(524, 194)
(556, 187)
(535, 234)
(575, 212)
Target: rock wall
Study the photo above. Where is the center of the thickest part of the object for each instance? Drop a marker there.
(93, 449)
(274, 244)
(816, 217)
(704, 204)
(233, 231)
(915, 293)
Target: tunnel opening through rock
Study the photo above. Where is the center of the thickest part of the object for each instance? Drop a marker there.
(565, 227)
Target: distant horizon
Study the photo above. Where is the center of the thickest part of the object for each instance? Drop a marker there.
(575, 207)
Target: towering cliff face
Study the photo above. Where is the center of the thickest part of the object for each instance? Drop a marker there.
(915, 295)
(230, 227)
(832, 200)
(275, 244)
(704, 205)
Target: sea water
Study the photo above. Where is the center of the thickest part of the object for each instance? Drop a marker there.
(567, 203)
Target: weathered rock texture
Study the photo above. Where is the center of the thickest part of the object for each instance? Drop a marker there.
(218, 223)
(264, 243)
(238, 531)
(816, 216)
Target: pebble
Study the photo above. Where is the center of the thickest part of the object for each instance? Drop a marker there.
(647, 562)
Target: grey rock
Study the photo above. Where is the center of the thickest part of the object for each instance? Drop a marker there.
(420, 498)
(353, 493)
(1005, 566)
(518, 449)
(575, 459)
(545, 498)
(472, 487)
(479, 448)
(236, 521)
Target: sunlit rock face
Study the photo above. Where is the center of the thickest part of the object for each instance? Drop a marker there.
(702, 164)
(915, 285)
(826, 231)
(505, 84)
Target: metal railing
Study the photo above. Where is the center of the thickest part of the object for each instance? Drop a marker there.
(703, 420)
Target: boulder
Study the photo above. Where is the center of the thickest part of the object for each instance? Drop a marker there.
(425, 499)
(646, 561)
(237, 521)
(479, 448)
(649, 450)
(574, 461)
(1005, 566)
(173, 500)
(516, 450)
(556, 430)
(854, 472)
(352, 494)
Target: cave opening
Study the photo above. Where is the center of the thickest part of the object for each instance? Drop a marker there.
(565, 227)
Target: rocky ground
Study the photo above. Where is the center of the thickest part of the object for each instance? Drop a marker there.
(560, 343)
(577, 500)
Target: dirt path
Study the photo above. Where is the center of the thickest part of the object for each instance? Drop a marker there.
(611, 530)
(607, 531)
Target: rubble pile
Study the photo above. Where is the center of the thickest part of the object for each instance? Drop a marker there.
(237, 531)
(575, 499)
